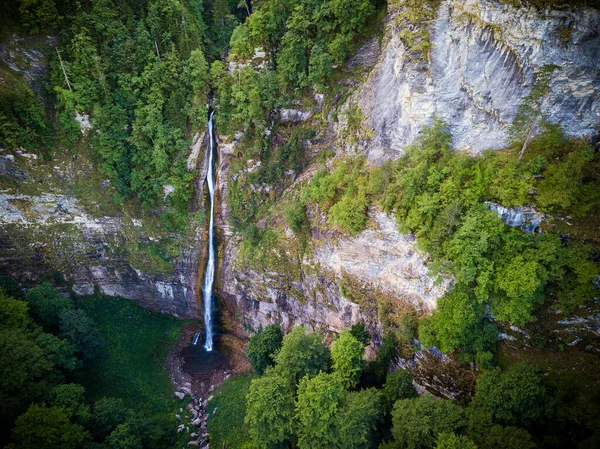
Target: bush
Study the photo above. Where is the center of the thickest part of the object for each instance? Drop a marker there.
(295, 217)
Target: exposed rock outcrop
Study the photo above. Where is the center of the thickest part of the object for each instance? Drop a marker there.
(481, 67)
(48, 233)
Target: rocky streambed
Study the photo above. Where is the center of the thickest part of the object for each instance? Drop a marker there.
(196, 374)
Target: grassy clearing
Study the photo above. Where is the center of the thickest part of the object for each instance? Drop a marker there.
(227, 412)
(137, 343)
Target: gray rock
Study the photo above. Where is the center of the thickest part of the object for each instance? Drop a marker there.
(293, 115)
(482, 66)
(179, 395)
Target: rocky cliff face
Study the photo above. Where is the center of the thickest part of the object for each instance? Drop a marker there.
(53, 229)
(57, 216)
(339, 281)
(482, 65)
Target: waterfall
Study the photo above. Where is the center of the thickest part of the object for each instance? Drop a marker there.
(195, 339)
(209, 274)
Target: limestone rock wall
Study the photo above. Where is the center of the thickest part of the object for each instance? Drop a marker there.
(482, 65)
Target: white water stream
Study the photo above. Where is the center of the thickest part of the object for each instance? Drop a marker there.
(209, 274)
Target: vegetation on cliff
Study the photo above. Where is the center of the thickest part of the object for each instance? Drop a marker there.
(442, 196)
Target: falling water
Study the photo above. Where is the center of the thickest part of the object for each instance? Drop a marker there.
(209, 274)
(195, 339)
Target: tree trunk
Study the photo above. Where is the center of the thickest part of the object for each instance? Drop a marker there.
(63, 69)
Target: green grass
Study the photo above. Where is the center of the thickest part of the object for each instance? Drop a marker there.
(227, 412)
(137, 343)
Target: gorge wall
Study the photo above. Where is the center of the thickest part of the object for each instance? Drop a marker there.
(481, 67)
(47, 227)
(483, 63)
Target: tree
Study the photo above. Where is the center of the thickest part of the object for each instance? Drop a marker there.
(270, 410)
(71, 398)
(301, 354)
(59, 352)
(13, 313)
(43, 426)
(347, 356)
(452, 441)
(77, 327)
(357, 419)
(514, 397)
(263, 347)
(47, 304)
(528, 117)
(108, 414)
(398, 385)
(124, 437)
(295, 217)
(352, 14)
(418, 422)
(359, 332)
(21, 360)
(38, 14)
(317, 407)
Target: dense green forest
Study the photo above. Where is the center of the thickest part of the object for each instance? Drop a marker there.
(140, 70)
(82, 373)
(307, 396)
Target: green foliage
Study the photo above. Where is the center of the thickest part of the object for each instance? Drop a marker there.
(263, 346)
(319, 401)
(47, 305)
(398, 385)
(270, 410)
(528, 116)
(355, 131)
(124, 437)
(80, 330)
(301, 354)
(304, 39)
(319, 412)
(23, 120)
(418, 422)
(37, 15)
(344, 194)
(359, 332)
(295, 217)
(227, 412)
(13, 313)
(358, 418)
(453, 441)
(458, 322)
(347, 359)
(71, 398)
(515, 397)
(108, 414)
(47, 427)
